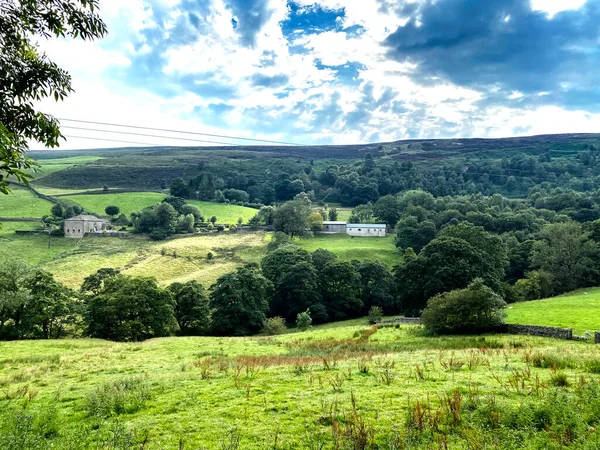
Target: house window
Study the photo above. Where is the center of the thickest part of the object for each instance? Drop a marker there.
(359, 229)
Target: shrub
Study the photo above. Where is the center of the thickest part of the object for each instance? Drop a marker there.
(112, 210)
(220, 228)
(476, 308)
(303, 320)
(158, 234)
(232, 227)
(126, 395)
(209, 256)
(274, 325)
(375, 314)
(210, 226)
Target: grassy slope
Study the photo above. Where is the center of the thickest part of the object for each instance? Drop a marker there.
(135, 201)
(575, 310)
(348, 248)
(49, 166)
(200, 388)
(22, 203)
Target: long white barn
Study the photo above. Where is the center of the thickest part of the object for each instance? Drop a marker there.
(355, 229)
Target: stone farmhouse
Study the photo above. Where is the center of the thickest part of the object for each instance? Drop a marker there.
(355, 229)
(78, 226)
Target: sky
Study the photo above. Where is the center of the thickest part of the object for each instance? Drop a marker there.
(332, 71)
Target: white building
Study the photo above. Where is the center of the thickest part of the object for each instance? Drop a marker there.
(78, 226)
(366, 229)
(354, 229)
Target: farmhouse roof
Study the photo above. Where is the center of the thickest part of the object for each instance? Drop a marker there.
(86, 217)
(367, 225)
(333, 222)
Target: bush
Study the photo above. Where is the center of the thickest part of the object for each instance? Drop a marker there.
(232, 227)
(117, 397)
(375, 314)
(476, 308)
(210, 226)
(112, 210)
(303, 320)
(220, 228)
(209, 256)
(274, 325)
(158, 234)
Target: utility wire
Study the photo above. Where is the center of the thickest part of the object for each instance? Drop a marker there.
(149, 135)
(180, 131)
(112, 140)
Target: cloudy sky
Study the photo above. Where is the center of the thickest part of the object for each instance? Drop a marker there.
(334, 71)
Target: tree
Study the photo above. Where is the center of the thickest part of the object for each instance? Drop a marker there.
(14, 297)
(213, 219)
(303, 320)
(278, 239)
(179, 188)
(176, 202)
(412, 233)
(315, 221)
(240, 301)
(387, 209)
(341, 290)
(192, 310)
(112, 210)
(57, 210)
(296, 291)
(279, 262)
(291, 217)
(93, 284)
(377, 286)
(333, 214)
(567, 253)
(322, 257)
(130, 309)
(28, 76)
(473, 309)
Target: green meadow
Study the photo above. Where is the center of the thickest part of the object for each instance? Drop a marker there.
(48, 166)
(579, 310)
(340, 386)
(22, 202)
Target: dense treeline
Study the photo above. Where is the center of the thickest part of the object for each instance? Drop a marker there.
(359, 182)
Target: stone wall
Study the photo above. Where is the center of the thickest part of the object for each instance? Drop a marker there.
(536, 330)
(406, 320)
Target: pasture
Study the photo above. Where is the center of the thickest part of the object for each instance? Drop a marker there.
(338, 386)
(578, 310)
(22, 202)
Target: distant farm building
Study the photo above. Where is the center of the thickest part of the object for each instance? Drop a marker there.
(78, 226)
(355, 229)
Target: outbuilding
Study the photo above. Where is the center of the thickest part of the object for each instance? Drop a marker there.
(333, 227)
(366, 229)
(78, 226)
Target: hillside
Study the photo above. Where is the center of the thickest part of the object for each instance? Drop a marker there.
(339, 383)
(579, 310)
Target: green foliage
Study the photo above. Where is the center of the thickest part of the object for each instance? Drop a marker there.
(387, 209)
(57, 210)
(112, 210)
(130, 309)
(240, 301)
(192, 310)
(28, 76)
(332, 214)
(375, 314)
(474, 309)
(123, 396)
(568, 255)
(274, 325)
(322, 257)
(291, 217)
(303, 320)
(315, 221)
(278, 239)
(179, 188)
(279, 262)
(412, 233)
(377, 287)
(340, 285)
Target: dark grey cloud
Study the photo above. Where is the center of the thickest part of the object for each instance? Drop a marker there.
(480, 43)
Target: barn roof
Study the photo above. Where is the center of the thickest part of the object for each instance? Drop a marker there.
(367, 225)
(86, 217)
(332, 222)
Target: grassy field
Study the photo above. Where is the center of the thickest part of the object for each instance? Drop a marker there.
(129, 202)
(71, 260)
(576, 310)
(348, 248)
(330, 388)
(22, 203)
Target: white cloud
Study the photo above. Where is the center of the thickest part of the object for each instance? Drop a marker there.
(553, 7)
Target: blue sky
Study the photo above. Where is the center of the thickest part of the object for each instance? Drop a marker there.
(337, 71)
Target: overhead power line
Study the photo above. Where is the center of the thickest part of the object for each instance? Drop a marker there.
(112, 140)
(181, 132)
(149, 135)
